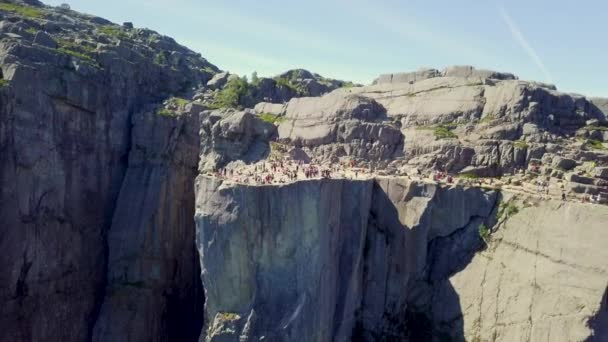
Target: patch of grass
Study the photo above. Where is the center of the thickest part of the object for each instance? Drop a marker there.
(85, 58)
(229, 316)
(521, 144)
(444, 132)
(113, 31)
(484, 233)
(271, 118)
(26, 11)
(178, 101)
(469, 175)
(594, 144)
(597, 128)
(506, 210)
(4, 83)
(166, 112)
(31, 30)
(488, 118)
(80, 51)
(209, 70)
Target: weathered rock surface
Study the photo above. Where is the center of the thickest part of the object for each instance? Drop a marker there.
(65, 138)
(320, 260)
(542, 278)
(340, 260)
(152, 265)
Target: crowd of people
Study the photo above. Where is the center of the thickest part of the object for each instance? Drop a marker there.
(277, 172)
(287, 171)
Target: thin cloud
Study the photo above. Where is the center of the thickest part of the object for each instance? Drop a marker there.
(523, 42)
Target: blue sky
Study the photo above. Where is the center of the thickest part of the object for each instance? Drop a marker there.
(560, 42)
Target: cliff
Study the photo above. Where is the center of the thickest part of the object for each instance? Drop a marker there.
(343, 260)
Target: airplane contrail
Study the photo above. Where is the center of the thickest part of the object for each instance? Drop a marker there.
(523, 42)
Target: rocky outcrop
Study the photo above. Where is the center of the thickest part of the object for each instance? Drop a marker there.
(538, 280)
(229, 135)
(65, 137)
(336, 125)
(320, 260)
(390, 259)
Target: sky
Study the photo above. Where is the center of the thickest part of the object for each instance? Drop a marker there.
(559, 42)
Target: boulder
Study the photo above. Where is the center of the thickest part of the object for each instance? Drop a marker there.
(562, 163)
(218, 81)
(601, 172)
(42, 38)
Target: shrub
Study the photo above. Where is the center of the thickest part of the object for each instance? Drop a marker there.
(506, 210)
(26, 11)
(4, 83)
(232, 95)
(444, 132)
(594, 144)
(484, 232)
(31, 30)
(274, 119)
(229, 316)
(287, 83)
(255, 80)
(166, 112)
(160, 58)
(521, 144)
(469, 175)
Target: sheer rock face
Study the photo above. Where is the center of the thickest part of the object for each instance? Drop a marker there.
(65, 137)
(542, 278)
(152, 291)
(314, 260)
(336, 260)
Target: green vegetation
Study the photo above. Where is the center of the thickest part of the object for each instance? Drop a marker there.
(488, 118)
(4, 83)
(594, 144)
(232, 94)
(255, 80)
(85, 58)
(178, 101)
(31, 30)
(160, 58)
(165, 112)
(484, 232)
(80, 51)
(597, 128)
(469, 175)
(26, 11)
(348, 84)
(209, 70)
(507, 209)
(271, 118)
(229, 316)
(521, 144)
(288, 83)
(444, 132)
(113, 31)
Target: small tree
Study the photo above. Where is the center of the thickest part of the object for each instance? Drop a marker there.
(65, 6)
(255, 80)
(484, 232)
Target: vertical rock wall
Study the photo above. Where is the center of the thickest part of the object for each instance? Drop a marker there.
(152, 292)
(320, 260)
